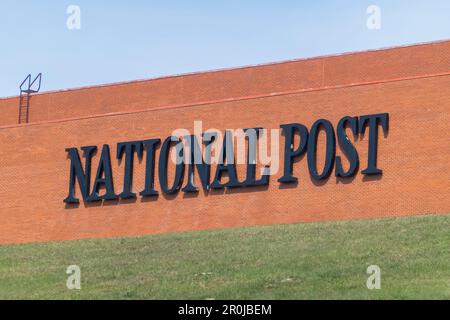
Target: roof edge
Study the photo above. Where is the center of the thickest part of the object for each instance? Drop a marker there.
(120, 83)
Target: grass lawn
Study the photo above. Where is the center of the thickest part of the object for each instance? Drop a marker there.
(325, 260)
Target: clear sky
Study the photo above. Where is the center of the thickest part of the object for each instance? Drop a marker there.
(128, 40)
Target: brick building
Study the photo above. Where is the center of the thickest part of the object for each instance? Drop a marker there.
(411, 84)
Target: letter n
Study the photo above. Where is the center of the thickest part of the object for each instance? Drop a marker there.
(77, 172)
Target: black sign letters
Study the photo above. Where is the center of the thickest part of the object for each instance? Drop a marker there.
(225, 173)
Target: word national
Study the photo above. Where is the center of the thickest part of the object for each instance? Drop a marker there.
(212, 155)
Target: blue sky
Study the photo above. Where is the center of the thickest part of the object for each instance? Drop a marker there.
(128, 40)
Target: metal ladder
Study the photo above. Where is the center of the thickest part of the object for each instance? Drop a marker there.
(26, 88)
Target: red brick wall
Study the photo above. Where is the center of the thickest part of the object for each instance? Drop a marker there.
(412, 84)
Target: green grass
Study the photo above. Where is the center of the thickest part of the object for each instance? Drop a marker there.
(303, 261)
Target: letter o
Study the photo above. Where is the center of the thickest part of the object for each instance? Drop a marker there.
(163, 161)
(312, 149)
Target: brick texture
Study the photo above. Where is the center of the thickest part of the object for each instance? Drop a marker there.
(411, 83)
